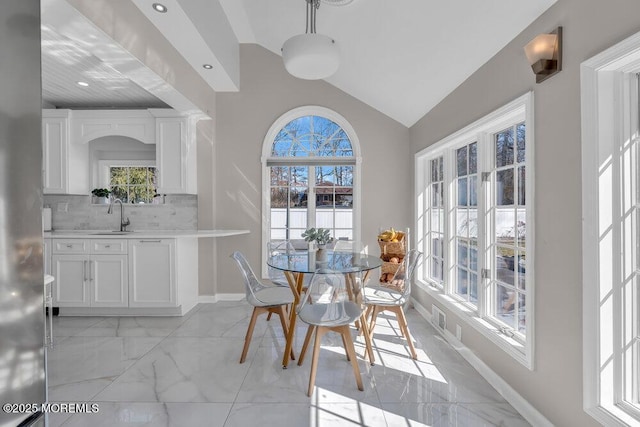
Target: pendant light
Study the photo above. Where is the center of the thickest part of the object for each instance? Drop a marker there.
(311, 56)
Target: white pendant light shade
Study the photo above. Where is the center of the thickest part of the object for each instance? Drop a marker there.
(311, 56)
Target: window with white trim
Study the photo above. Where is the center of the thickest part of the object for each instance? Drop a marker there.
(611, 234)
(311, 168)
(131, 181)
(475, 223)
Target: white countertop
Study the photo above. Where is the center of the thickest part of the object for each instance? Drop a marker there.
(136, 234)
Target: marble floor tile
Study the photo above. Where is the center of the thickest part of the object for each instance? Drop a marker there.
(69, 326)
(80, 367)
(185, 369)
(126, 414)
(441, 415)
(134, 327)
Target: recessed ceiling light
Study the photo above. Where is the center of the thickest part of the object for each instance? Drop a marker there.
(207, 66)
(83, 84)
(158, 7)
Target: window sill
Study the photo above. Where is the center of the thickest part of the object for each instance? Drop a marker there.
(512, 347)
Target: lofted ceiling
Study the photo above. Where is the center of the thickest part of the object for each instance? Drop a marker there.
(400, 57)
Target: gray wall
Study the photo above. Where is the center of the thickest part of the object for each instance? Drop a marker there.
(266, 92)
(590, 26)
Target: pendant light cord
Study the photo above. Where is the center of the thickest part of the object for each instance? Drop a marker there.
(312, 6)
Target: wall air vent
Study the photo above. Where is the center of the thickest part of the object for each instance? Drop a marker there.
(439, 319)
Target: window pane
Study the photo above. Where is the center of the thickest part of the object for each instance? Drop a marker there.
(279, 196)
(521, 186)
(504, 265)
(461, 288)
(436, 271)
(434, 170)
(436, 220)
(462, 192)
(473, 288)
(522, 313)
(505, 305)
(139, 194)
(440, 169)
(473, 258)
(435, 195)
(279, 175)
(461, 155)
(504, 187)
(521, 227)
(473, 223)
(522, 265)
(137, 176)
(504, 226)
(463, 258)
(520, 129)
(118, 176)
(121, 193)
(462, 223)
(473, 191)
(473, 158)
(504, 148)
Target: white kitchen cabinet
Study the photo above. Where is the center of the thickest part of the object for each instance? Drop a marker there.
(72, 276)
(176, 155)
(90, 273)
(65, 162)
(109, 281)
(152, 273)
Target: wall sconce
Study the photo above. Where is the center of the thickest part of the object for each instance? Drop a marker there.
(544, 54)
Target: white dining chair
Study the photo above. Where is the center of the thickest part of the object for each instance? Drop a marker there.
(264, 299)
(327, 306)
(380, 298)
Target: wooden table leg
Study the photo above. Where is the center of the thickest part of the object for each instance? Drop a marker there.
(295, 282)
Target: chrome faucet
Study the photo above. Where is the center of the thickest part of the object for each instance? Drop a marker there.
(123, 223)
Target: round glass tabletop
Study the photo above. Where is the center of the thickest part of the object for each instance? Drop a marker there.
(309, 262)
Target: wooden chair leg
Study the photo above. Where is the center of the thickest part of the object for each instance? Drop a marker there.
(374, 315)
(283, 321)
(365, 316)
(402, 320)
(346, 338)
(247, 338)
(320, 331)
(269, 316)
(344, 344)
(367, 339)
(307, 339)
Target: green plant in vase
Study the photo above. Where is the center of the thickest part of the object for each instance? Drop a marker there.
(321, 236)
(100, 195)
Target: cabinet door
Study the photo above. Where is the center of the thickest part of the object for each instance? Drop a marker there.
(55, 136)
(175, 156)
(152, 275)
(109, 281)
(72, 275)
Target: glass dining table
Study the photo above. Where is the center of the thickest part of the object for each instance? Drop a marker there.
(296, 265)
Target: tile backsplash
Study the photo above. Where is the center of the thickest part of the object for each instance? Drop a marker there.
(179, 212)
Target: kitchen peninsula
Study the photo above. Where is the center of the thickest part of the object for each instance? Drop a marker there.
(146, 272)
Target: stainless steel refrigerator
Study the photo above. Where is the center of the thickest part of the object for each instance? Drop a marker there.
(22, 353)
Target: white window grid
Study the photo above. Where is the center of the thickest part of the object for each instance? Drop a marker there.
(480, 314)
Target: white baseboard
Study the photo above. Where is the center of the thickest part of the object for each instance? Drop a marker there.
(520, 404)
(220, 297)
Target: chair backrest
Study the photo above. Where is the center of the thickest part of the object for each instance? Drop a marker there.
(327, 300)
(404, 275)
(349, 246)
(251, 283)
(277, 247)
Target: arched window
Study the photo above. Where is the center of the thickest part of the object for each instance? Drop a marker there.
(310, 175)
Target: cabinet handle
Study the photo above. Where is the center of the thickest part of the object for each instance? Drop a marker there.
(150, 241)
(69, 246)
(91, 270)
(84, 271)
(107, 246)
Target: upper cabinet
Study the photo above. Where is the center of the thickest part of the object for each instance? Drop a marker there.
(66, 136)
